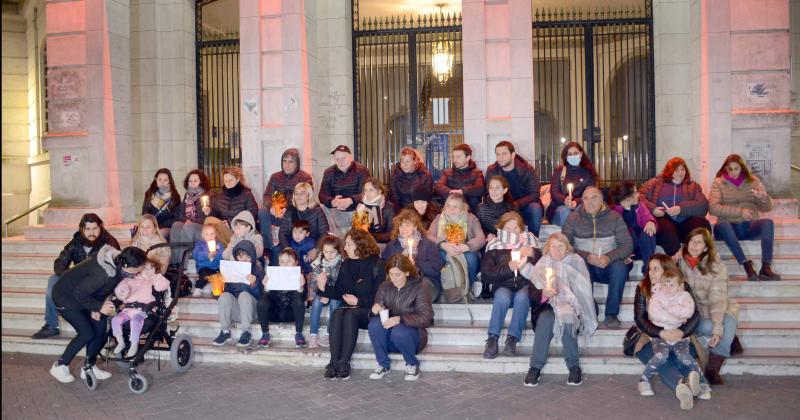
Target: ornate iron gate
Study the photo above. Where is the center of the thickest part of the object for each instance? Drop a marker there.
(594, 83)
(408, 89)
(218, 118)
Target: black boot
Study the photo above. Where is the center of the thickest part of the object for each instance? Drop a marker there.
(491, 347)
(766, 273)
(750, 271)
(511, 346)
(736, 346)
(715, 362)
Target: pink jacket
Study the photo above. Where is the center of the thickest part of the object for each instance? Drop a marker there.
(670, 311)
(140, 288)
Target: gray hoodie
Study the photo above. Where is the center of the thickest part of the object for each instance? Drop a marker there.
(252, 236)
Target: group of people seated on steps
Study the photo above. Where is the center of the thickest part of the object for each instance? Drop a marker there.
(378, 258)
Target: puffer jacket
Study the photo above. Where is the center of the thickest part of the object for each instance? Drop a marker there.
(349, 184)
(252, 236)
(495, 270)
(527, 176)
(710, 292)
(726, 201)
(283, 182)
(489, 214)
(693, 202)
(315, 217)
(469, 180)
(411, 303)
(605, 231)
(230, 202)
(140, 287)
(73, 252)
(167, 215)
(402, 185)
(88, 284)
(578, 176)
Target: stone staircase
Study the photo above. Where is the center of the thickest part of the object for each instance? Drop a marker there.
(769, 318)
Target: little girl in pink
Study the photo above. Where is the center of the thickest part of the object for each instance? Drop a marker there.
(136, 293)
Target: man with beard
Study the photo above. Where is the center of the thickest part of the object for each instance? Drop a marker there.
(90, 237)
(523, 183)
(463, 178)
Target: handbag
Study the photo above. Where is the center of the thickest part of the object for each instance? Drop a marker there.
(631, 338)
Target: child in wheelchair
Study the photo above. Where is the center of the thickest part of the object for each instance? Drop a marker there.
(136, 295)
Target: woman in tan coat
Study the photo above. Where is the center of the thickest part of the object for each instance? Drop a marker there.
(736, 198)
(708, 278)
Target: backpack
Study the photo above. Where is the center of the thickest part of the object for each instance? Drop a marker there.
(455, 280)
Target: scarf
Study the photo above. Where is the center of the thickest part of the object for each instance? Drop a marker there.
(410, 250)
(737, 182)
(574, 305)
(160, 200)
(192, 194)
(373, 208)
(320, 264)
(513, 241)
(447, 228)
(693, 261)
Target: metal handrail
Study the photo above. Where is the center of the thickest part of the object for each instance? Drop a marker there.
(24, 213)
(795, 167)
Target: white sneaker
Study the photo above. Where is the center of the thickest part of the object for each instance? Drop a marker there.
(98, 373)
(133, 349)
(197, 292)
(705, 392)
(313, 341)
(693, 381)
(412, 373)
(120, 346)
(380, 372)
(645, 389)
(685, 396)
(325, 341)
(61, 372)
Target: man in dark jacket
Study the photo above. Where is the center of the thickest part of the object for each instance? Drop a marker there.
(341, 188)
(282, 182)
(523, 183)
(89, 238)
(601, 237)
(464, 178)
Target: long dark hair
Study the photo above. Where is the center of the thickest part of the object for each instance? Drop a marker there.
(666, 262)
(402, 263)
(738, 159)
(175, 198)
(204, 182)
(130, 257)
(621, 191)
(709, 256)
(507, 196)
(585, 162)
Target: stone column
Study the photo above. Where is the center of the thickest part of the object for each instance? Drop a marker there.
(498, 76)
(88, 68)
(277, 43)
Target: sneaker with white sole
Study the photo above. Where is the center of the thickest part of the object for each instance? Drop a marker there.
(645, 389)
(693, 381)
(685, 396)
(705, 392)
(379, 373)
(223, 338)
(61, 373)
(412, 373)
(325, 341)
(98, 373)
(197, 292)
(313, 341)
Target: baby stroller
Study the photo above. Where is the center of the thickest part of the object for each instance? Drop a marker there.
(155, 334)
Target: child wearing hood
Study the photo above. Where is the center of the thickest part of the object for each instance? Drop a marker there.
(244, 228)
(238, 300)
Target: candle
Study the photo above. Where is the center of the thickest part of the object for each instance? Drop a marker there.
(204, 201)
(600, 252)
(548, 275)
(212, 246)
(515, 257)
(570, 187)
(411, 249)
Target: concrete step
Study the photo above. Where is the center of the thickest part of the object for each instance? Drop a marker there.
(20, 245)
(789, 228)
(776, 362)
(64, 233)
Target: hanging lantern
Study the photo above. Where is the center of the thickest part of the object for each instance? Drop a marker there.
(442, 60)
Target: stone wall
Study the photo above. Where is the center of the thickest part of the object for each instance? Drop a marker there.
(794, 16)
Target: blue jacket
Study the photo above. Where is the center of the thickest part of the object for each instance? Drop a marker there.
(302, 249)
(257, 288)
(428, 259)
(200, 255)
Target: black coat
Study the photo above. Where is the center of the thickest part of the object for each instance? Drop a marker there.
(469, 180)
(348, 184)
(73, 252)
(88, 284)
(527, 177)
(495, 270)
(165, 216)
(404, 186)
(654, 331)
(315, 217)
(359, 278)
(226, 204)
(578, 176)
(489, 214)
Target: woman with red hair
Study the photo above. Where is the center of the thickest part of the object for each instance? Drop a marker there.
(677, 202)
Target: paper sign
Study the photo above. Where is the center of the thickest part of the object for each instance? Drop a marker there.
(235, 271)
(283, 278)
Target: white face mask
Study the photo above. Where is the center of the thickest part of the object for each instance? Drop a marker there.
(574, 160)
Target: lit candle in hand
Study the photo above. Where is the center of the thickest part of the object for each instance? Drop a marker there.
(411, 250)
(204, 201)
(212, 246)
(515, 255)
(548, 276)
(570, 187)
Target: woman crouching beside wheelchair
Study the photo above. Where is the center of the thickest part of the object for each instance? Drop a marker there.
(82, 298)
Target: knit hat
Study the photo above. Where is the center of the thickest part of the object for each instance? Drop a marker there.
(421, 195)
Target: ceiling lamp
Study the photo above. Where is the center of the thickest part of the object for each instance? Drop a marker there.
(442, 60)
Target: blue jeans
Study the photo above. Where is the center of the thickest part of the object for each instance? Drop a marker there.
(265, 221)
(729, 325)
(473, 263)
(316, 312)
(562, 212)
(644, 246)
(504, 299)
(398, 339)
(731, 233)
(50, 311)
(671, 372)
(532, 213)
(614, 275)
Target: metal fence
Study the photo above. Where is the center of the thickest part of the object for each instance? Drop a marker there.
(218, 117)
(400, 100)
(594, 83)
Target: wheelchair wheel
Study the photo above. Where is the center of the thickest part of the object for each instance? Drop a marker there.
(137, 383)
(181, 353)
(90, 380)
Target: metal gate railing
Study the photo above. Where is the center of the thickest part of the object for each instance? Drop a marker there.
(218, 117)
(594, 83)
(400, 100)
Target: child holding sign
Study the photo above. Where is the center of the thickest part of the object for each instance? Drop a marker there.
(283, 300)
(238, 300)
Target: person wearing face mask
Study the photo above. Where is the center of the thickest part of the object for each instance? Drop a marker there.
(577, 170)
(464, 177)
(235, 197)
(523, 183)
(90, 237)
(736, 198)
(82, 296)
(341, 189)
(677, 202)
(162, 201)
(408, 176)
